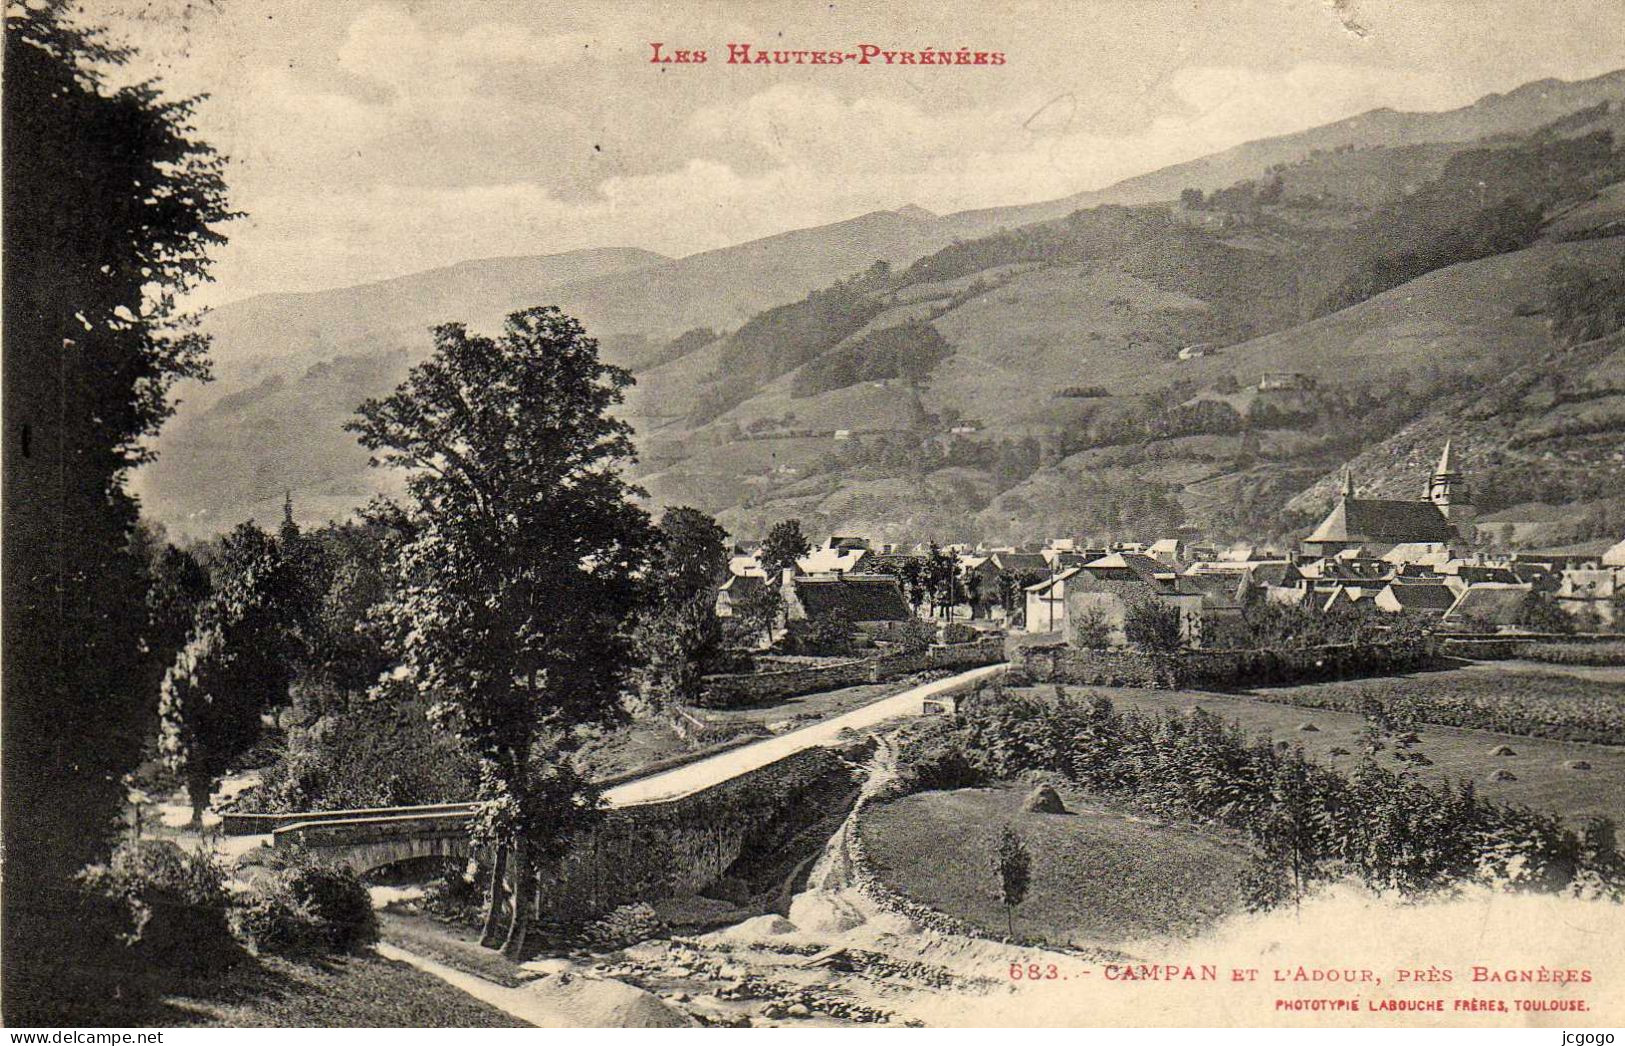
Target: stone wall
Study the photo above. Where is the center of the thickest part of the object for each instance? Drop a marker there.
(1222, 668)
(235, 823)
(678, 847)
(736, 691)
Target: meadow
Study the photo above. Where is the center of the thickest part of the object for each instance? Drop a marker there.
(1101, 876)
(1510, 698)
(1543, 775)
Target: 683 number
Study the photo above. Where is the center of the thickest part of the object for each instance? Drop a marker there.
(1033, 971)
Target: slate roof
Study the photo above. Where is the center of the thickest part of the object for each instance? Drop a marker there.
(1044, 585)
(1125, 566)
(1218, 591)
(1381, 521)
(864, 597)
(1020, 562)
(1422, 597)
(1497, 603)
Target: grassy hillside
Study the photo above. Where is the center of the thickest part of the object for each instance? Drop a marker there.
(883, 374)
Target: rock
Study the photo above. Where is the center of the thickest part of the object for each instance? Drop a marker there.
(1043, 800)
(753, 929)
(798, 1010)
(1503, 775)
(1502, 750)
(1308, 728)
(817, 912)
(1577, 764)
(549, 967)
(591, 1002)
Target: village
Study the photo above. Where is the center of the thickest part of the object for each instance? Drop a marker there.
(1419, 557)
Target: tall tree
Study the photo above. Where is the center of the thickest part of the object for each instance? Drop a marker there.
(679, 628)
(784, 544)
(236, 665)
(516, 578)
(111, 204)
(943, 582)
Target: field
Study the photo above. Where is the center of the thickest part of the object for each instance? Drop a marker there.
(1100, 877)
(1560, 702)
(1543, 781)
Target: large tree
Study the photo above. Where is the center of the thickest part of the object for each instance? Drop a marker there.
(236, 665)
(785, 543)
(513, 586)
(679, 629)
(111, 204)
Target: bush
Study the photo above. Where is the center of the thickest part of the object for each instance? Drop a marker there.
(331, 897)
(626, 925)
(170, 905)
(273, 924)
(1539, 612)
(1610, 653)
(827, 636)
(456, 897)
(1151, 624)
(958, 632)
(910, 637)
(379, 754)
(933, 755)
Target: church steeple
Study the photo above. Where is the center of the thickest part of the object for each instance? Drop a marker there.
(1348, 482)
(1447, 462)
(1447, 488)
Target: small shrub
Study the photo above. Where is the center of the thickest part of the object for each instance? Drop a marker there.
(626, 925)
(826, 636)
(958, 632)
(910, 637)
(331, 895)
(1151, 624)
(171, 905)
(455, 897)
(934, 756)
(272, 923)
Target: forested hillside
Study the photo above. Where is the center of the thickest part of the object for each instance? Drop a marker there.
(1094, 372)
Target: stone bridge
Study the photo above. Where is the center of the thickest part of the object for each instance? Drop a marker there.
(371, 839)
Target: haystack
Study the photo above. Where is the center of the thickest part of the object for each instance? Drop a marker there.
(1043, 800)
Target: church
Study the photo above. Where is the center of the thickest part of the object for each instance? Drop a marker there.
(1444, 515)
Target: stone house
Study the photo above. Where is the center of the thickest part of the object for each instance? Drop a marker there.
(1590, 595)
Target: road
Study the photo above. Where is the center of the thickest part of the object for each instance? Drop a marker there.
(685, 780)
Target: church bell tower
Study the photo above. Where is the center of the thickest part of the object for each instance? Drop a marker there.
(1448, 490)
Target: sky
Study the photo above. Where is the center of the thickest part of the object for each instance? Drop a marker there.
(374, 138)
